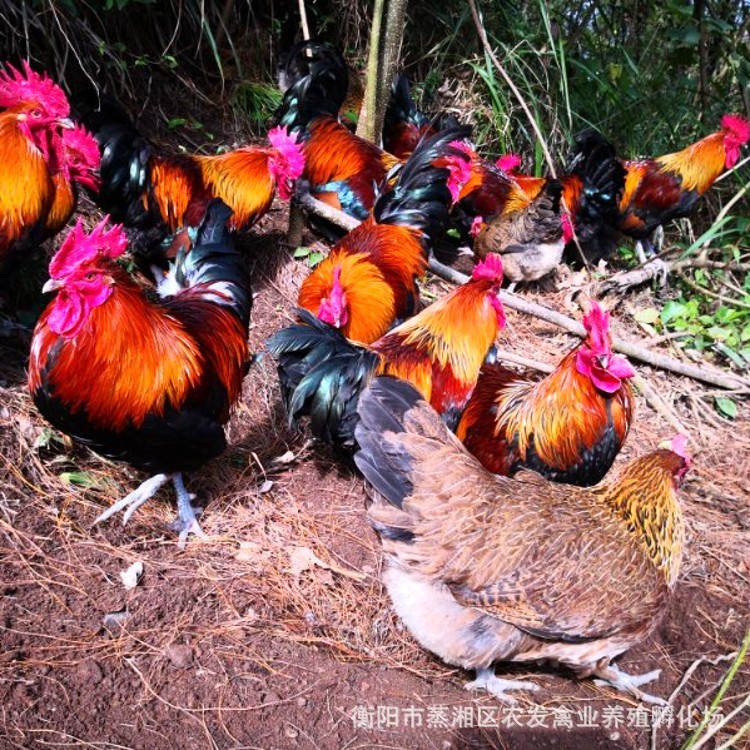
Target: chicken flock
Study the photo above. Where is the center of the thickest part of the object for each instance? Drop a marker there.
(486, 486)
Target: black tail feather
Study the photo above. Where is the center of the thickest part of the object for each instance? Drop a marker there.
(595, 161)
(321, 91)
(421, 198)
(214, 263)
(321, 375)
(382, 409)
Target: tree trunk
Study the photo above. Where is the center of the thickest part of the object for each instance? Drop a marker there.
(385, 47)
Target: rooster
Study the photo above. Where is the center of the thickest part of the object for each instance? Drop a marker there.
(342, 170)
(156, 194)
(369, 278)
(667, 187)
(149, 383)
(80, 165)
(440, 350)
(31, 153)
(404, 125)
(569, 426)
(541, 214)
(483, 568)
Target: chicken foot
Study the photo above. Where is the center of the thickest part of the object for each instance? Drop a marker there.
(187, 521)
(611, 675)
(145, 491)
(486, 679)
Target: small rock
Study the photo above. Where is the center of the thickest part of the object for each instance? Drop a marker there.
(115, 622)
(291, 732)
(301, 702)
(180, 655)
(90, 671)
(271, 697)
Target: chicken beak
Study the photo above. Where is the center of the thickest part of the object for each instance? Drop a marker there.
(52, 285)
(66, 123)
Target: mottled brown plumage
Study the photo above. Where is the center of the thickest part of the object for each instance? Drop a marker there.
(530, 239)
(484, 568)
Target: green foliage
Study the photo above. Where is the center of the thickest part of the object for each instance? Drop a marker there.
(256, 102)
(310, 256)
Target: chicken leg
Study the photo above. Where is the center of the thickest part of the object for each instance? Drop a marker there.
(187, 521)
(486, 679)
(611, 675)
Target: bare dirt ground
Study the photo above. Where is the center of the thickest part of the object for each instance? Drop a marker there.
(276, 633)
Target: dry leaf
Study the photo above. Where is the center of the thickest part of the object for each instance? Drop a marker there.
(303, 558)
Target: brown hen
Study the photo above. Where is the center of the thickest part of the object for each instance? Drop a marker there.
(483, 568)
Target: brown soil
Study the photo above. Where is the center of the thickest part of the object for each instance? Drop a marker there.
(275, 631)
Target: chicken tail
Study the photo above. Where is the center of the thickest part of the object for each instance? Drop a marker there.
(594, 161)
(322, 374)
(320, 92)
(421, 198)
(212, 268)
(401, 107)
(124, 159)
(397, 431)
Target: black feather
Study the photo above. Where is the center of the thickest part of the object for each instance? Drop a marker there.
(385, 465)
(322, 374)
(321, 91)
(420, 197)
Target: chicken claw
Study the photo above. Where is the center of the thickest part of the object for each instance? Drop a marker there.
(187, 521)
(145, 491)
(487, 680)
(611, 675)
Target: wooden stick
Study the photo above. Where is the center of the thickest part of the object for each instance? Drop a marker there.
(712, 376)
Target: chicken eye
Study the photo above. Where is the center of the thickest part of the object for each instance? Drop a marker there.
(90, 276)
(37, 113)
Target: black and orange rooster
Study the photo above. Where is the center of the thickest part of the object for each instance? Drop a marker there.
(150, 383)
(157, 194)
(569, 426)
(440, 350)
(35, 110)
(369, 279)
(404, 125)
(484, 568)
(658, 190)
(342, 170)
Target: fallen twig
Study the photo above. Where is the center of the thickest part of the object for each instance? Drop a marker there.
(514, 302)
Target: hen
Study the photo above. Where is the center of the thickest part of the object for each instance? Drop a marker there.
(35, 111)
(569, 426)
(342, 169)
(667, 187)
(369, 278)
(541, 214)
(439, 350)
(149, 383)
(483, 568)
(155, 194)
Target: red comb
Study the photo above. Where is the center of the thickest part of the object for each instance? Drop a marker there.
(596, 323)
(508, 162)
(738, 125)
(490, 268)
(79, 248)
(678, 445)
(16, 87)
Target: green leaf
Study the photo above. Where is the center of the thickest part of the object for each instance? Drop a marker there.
(79, 479)
(726, 406)
(314, 258)
(649, 315)
(745, 333)
(672, 310)
(301, 252)
(175, 122)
